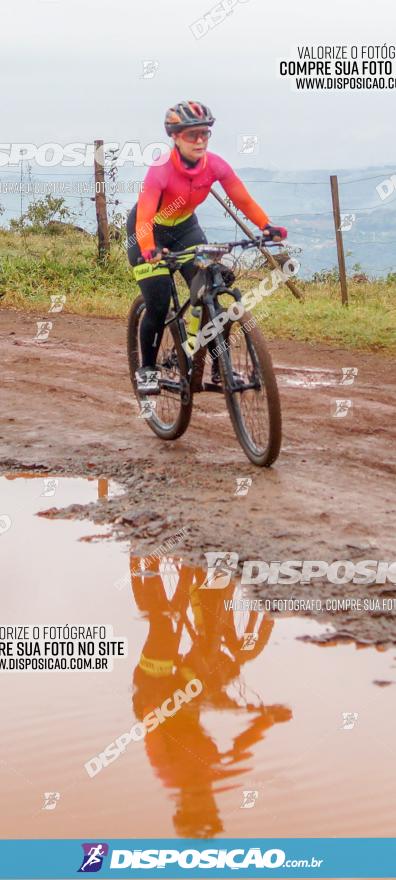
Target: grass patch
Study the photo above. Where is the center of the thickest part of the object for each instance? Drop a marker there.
(35, 266)
(368, 323)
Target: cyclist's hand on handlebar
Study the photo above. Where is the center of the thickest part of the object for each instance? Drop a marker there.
(154, 255)
(274, 233)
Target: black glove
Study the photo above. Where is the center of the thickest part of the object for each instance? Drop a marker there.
(273, 232)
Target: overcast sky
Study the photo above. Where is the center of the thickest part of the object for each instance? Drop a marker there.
(71, 70)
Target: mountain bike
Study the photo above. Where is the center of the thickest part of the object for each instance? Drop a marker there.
(247, 375)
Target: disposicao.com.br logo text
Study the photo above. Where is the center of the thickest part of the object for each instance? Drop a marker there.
(236, 859)
(222, 567)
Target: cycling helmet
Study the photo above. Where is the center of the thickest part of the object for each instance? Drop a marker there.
(186, 114)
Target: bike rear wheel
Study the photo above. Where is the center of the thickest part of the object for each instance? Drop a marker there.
(171, 409)
(254, 410)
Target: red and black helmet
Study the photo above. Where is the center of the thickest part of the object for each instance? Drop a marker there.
(186, 114)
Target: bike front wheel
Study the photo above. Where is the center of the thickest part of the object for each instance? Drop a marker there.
(251, 391)
(169, 411)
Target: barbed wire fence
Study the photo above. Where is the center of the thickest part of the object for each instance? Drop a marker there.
(27, 184)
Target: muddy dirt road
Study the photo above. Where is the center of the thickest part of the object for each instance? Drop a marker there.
(68, 408)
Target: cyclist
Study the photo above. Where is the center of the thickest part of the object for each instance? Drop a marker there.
(164, 219)
(191, 635)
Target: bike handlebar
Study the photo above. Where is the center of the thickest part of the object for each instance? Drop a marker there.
(217, 248)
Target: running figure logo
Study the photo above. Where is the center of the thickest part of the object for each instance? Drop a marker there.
(249, 799)
(149, 69)
(249, 641)
(349, 720)
(147, 408)
(248, 143)
(348, 375)
(50, 486)
(243, 485)
(340, 408)
(50, 800)
(57, 302)
(221, 567)
(347, 221)
(43, 330)
(94, 854)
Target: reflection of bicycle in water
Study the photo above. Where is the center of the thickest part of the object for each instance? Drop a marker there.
(93, 854)
(192, 635)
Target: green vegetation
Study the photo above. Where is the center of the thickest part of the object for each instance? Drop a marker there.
(36, 265)
(42, 216)
(368, 323)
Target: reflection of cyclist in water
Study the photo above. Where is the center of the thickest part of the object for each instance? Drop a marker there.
(191, 635)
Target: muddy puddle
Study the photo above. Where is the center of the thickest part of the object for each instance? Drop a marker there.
(278, 736)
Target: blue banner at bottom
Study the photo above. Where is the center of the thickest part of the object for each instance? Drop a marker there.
(308, 857)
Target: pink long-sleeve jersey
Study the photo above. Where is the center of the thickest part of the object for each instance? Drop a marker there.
(172, 191)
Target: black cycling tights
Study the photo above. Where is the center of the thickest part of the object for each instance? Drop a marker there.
(157, 290)
(157, 295)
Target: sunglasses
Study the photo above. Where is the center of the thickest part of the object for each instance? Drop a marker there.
(193, 136)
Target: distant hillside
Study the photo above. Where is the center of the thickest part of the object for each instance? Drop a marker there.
(301, 200)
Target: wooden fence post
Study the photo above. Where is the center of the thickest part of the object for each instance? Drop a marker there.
(339, 241)
(100, 200)
(269, 257)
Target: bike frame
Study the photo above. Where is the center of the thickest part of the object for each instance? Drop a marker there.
(243, 358)
(209, 307)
